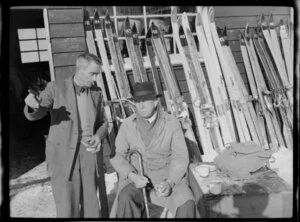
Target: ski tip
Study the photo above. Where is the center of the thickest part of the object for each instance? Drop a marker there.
(174, 14)
(134, 29)
(211, 13)
(86, 15)
(127, 23)
(149, 33)
(107, 17)
(199, 9)
(96, 14)
(198, 19)
(174, 10)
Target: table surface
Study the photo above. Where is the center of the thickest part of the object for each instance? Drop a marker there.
(266, 181)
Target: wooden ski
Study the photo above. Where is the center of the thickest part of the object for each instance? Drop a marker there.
(263, 93)
(151, 56)
(219, 88)
(235, 93)
(103, 54)
(205, 115)
(285, 41)
(272, 43)
(179, 106)
(117, 62)
(131, 51)
(245, 99)
(138, 53)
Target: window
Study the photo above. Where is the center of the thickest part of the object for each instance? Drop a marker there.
(33, 45)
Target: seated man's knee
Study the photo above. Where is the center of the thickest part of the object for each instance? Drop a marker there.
(129, 193)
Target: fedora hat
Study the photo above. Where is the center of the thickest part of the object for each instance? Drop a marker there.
(144, 91)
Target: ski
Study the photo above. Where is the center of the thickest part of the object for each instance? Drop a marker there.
(138, 53)
(90, 40)
(285, 42)
(245, 100)
(205, 115)
(272, 43)
(218, 89)
(120, 72)
(234, 92)
(151, 56)
(103, 54)
(131, 51)
(179, 106)
(263, 93)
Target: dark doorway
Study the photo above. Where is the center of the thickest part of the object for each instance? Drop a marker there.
(27, 139)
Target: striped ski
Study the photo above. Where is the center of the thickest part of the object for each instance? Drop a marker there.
(138, 53)
(103, 54)
(179, 106)
(218, 89)
(117, 62)
(90, 40)
(203, 108)
(151, 56)
(131, 51)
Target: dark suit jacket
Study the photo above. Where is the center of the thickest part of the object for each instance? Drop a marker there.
(59, 98)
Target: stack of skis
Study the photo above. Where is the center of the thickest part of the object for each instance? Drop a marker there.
(224, 110)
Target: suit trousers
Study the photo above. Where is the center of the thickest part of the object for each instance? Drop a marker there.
(78, 197)
(131, 205)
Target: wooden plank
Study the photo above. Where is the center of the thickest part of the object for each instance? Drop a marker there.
(64, 72)
(66, 30)
(68, 44)
(240, 22)
(237, 11)
(65, 16)
(65, 59)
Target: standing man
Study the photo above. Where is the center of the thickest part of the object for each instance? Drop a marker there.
(78, 125)
(159, 138)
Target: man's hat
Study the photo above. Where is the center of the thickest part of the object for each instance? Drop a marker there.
(144, 91)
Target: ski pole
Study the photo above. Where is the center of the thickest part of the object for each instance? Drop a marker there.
(142, 173)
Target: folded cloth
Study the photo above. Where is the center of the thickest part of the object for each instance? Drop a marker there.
(239, 160)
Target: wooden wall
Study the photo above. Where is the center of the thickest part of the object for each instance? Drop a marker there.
(67, 38)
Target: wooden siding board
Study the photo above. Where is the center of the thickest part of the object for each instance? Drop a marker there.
(68, 44)
(66, 30)
(64, 72)
(237, 11)
(65, 59)
(65, 16)
(240, 22)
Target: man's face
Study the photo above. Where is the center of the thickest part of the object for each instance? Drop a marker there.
(146, 108)
(88, 74)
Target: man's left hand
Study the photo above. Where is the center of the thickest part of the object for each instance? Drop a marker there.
(94, 144)
(163, 189)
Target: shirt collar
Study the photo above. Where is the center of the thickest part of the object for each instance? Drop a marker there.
(152, 118)
(78, 88)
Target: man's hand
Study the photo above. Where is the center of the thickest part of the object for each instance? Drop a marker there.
(163, 189)
(32, 101)
(93, 145)
(138, 180)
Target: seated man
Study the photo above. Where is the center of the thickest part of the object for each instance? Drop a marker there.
(158, 136)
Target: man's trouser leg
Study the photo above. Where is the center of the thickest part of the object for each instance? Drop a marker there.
(67, 195)
(187, 210)
(89, 183)
(130, 203)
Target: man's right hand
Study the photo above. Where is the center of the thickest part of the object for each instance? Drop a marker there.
(32, 101)
(138, 180)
